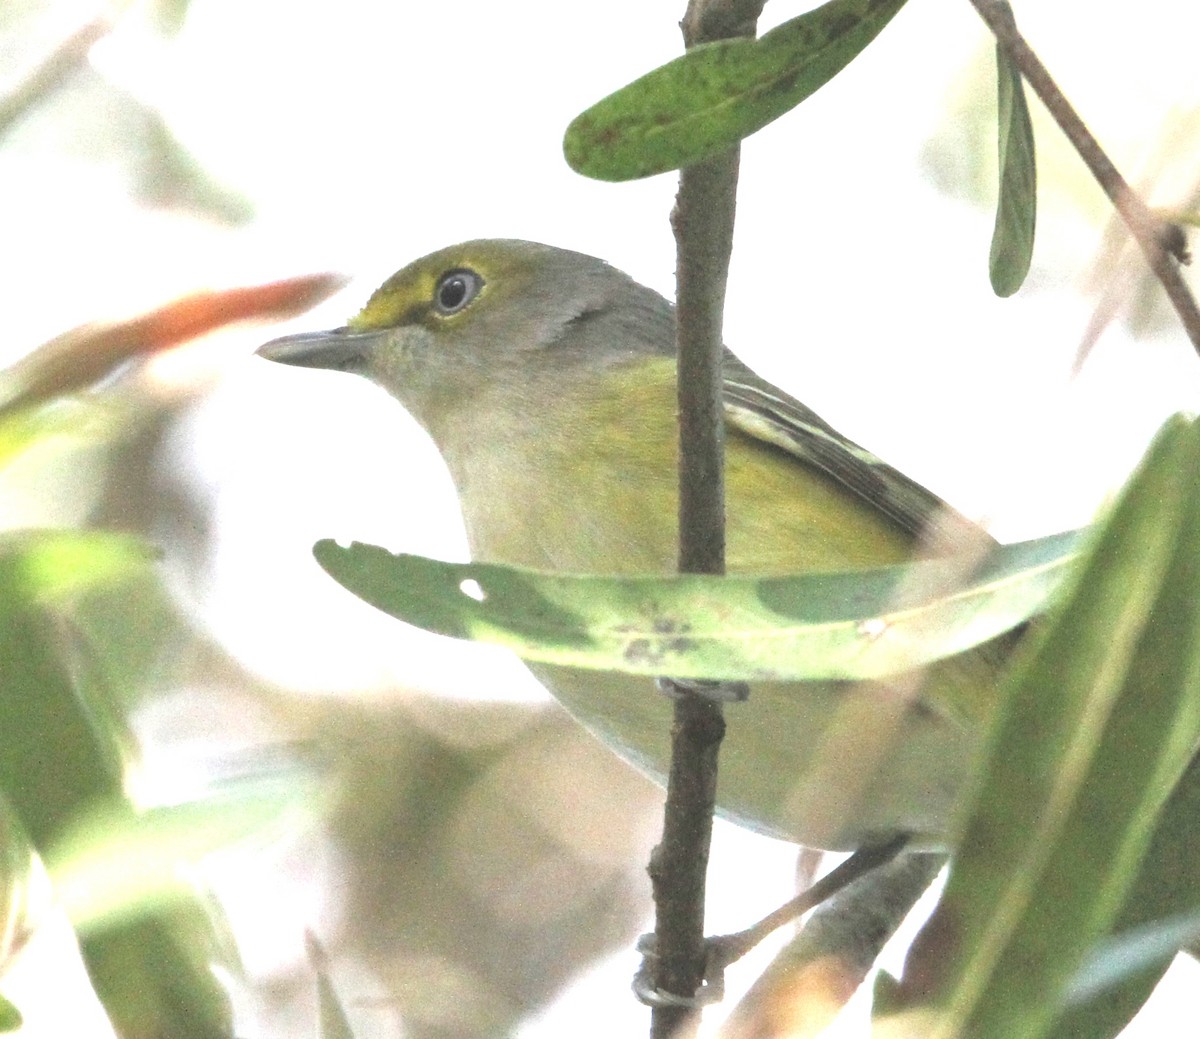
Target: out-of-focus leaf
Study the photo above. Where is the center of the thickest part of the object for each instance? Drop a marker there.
(54, 72)
(54, 568)
(10, 1016)
(809, 626)
(77, 359)
(115, 864)
(54, 763)
(169, 176)
(813, 977)
(1131, 952)
(332, 1022)
(719, 93)
(168, 15)
(1166, 892)
(61, 762)
(1100, 724)
(501, 821)
(1120, 278)
(1016, 205)
(154, 977)
(60, 429)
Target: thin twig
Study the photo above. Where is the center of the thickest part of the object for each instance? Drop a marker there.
(54, 72)
(813, 976)
(736, 945)
(703, 225)
(1162, 243)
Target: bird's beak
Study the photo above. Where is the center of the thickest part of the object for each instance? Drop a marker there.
(342, 349)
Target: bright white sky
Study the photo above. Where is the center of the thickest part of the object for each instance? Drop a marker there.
(367, 134)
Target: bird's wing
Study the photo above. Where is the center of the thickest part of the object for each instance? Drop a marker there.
(765, 412)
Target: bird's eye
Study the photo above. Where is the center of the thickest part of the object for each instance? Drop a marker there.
(455, 290)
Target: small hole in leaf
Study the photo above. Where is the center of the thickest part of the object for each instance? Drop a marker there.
(872, 629)
(471, 587)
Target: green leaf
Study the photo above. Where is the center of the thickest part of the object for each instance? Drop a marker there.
(63, 427)
(719, 93)
(332, 1022)
(1101, 722)
(1016, 205)
(52, 568)
(168, 16)
(1130, 952)
(862, 624)
(57, 760)
(10, 1016)
(1166, 892)
(61, 762)
(115, 864)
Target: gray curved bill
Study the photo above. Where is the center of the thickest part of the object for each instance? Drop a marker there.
(341, 349)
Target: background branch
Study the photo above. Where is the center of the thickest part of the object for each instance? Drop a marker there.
(54, 73)
(1163, 243)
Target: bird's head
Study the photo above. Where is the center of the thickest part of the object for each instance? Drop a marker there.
(488, 321)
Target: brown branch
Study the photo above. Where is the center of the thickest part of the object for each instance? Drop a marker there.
(703, 224)
(1163, 244)
(865, 860)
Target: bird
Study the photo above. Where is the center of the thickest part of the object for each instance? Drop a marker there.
(546, 380)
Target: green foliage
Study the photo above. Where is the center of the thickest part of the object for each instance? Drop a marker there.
(1160, 909)
(113, 865)
(39, 702)
(62, 765)
(719, 93)
(332, 1022)
(10, 1016)
(63, 428)
(853, 625)
(1016, 205)
(1101, 722)
(861, 624)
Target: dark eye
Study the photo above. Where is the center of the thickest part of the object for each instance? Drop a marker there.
(455, 290)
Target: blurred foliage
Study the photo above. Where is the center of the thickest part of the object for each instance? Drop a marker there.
(62, 760)
(1102, 719)
(60, 102)
(83, 436)
(489, 853)
(117, 642)
(1165, 887)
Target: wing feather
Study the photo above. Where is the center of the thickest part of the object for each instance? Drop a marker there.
(765, 412)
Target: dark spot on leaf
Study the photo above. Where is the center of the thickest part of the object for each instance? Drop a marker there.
(668, 626)
(606, 136)
(786, 83)
(643, 651)
(840, 26)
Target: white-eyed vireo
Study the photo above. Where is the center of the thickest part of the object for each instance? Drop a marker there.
(547, 380)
